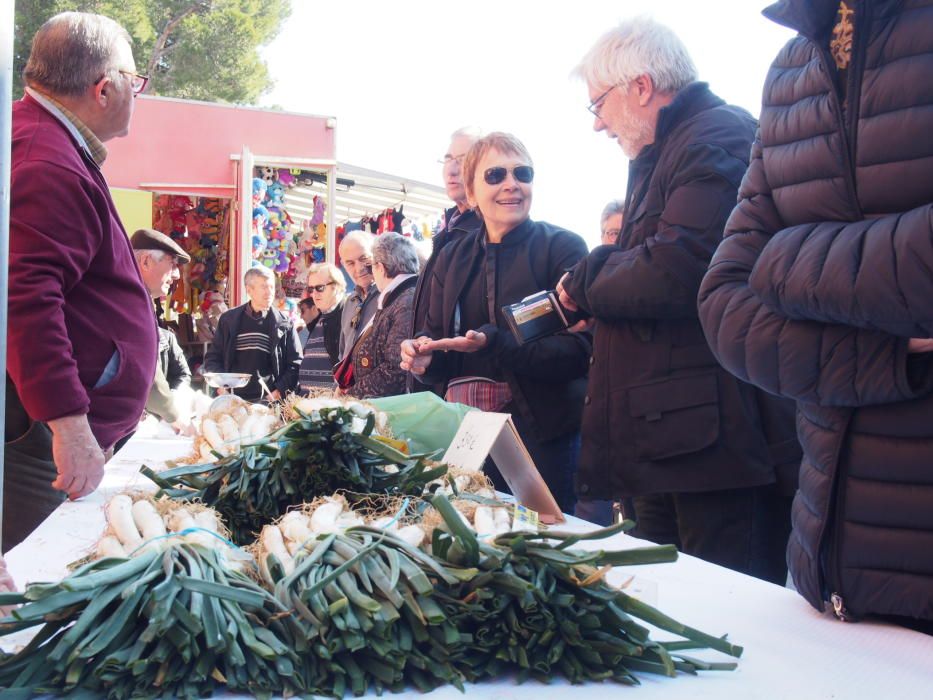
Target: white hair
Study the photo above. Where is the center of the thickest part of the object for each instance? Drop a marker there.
(157, 253)
(474, 133)
(638, 46)
(363, 239)
(397, 254)
(616, 206)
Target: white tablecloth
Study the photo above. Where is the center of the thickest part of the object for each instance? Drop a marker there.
(791, 651)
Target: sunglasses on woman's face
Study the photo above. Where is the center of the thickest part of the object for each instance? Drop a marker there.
(523, 173)
(319, 288)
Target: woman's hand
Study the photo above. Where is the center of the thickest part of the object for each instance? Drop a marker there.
(920, 345)
(471, 342)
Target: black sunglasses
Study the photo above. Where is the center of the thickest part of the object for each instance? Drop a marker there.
(318, 287)
(523, 173)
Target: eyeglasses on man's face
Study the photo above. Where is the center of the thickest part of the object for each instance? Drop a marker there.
(137, 82)
(523, 173)
(319, 288)
(449, 159)
(596, 105)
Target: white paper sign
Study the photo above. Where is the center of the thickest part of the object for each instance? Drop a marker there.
(494, 435)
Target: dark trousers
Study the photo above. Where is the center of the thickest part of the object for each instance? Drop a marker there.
(555, 459)
(742, 529)
(28, 472)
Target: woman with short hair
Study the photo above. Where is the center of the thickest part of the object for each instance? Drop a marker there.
(542, 382)
(376, 356)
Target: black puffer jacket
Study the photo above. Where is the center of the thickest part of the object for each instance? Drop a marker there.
(661, 415)
(824, 275)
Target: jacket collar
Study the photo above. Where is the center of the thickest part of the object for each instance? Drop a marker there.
(390, 294)
(814, 19)
(514, 237)
(694, 98)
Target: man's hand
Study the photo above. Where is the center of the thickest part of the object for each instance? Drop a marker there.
(920, 345)
(471, 342)
(415, 358)
(77, 456)
(221, 390)
(565, 299)
(276, 395)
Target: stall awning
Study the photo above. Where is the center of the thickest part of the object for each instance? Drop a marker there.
(361, 192)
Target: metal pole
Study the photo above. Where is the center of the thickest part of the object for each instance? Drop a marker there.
(6, 88)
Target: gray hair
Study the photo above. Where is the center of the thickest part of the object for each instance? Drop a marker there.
(72, 51)
(258, 271)
(361, 238)
(474, 133)
(638, 46)
(397, 254)
(157, 253)
(616, 206)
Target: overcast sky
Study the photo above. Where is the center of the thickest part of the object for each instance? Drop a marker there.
(401, 76)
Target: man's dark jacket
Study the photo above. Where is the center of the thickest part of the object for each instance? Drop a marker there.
(286, 353)
(823, 277)
(330, 322)
(661, 415)
(466, 224)
(547, 377)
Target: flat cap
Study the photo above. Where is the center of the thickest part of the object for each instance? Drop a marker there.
(150, 239)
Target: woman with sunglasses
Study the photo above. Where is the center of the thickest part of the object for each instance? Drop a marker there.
(327, 290)
(466, 342)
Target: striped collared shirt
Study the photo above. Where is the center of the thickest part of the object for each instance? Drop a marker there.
(82, 134)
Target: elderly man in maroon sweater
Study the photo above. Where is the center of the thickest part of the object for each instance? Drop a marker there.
(82, 340)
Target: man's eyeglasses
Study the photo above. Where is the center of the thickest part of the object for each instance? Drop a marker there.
(448, 159)
(596, 105)
(319, 288)
(523, 173)
(138, 82)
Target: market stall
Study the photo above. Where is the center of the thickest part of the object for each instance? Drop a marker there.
(790, 650)
(238, 186)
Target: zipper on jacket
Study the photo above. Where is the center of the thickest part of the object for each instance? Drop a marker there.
(839, 608)
(848, 119)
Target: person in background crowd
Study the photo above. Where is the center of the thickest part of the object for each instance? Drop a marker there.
(159, 258)
(821, 292)
(662, 419)
(257, 339)
(541, 383)
(597, 510)
(308, 313)
(356, 255)
(458, 220)
(327, 291)
(82, 341)
(610, 223)
(376, 361)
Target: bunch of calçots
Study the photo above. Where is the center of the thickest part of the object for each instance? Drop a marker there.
(317, 454)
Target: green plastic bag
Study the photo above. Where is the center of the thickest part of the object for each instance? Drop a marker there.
(427, 421)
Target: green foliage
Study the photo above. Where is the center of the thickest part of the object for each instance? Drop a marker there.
(195, 49)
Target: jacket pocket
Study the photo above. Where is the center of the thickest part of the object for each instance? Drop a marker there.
(674, 416)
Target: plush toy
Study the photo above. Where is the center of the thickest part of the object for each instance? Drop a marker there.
(286, 178)
(319, 209)
(275, 195)
(267, 174)
(259, 190)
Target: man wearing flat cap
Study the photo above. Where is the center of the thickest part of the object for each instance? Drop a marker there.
(159, 258)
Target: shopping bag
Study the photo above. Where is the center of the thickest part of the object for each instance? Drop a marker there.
(426, 420)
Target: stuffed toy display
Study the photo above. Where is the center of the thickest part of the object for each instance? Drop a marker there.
(277, 242)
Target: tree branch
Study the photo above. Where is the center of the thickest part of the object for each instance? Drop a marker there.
(159, 50)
